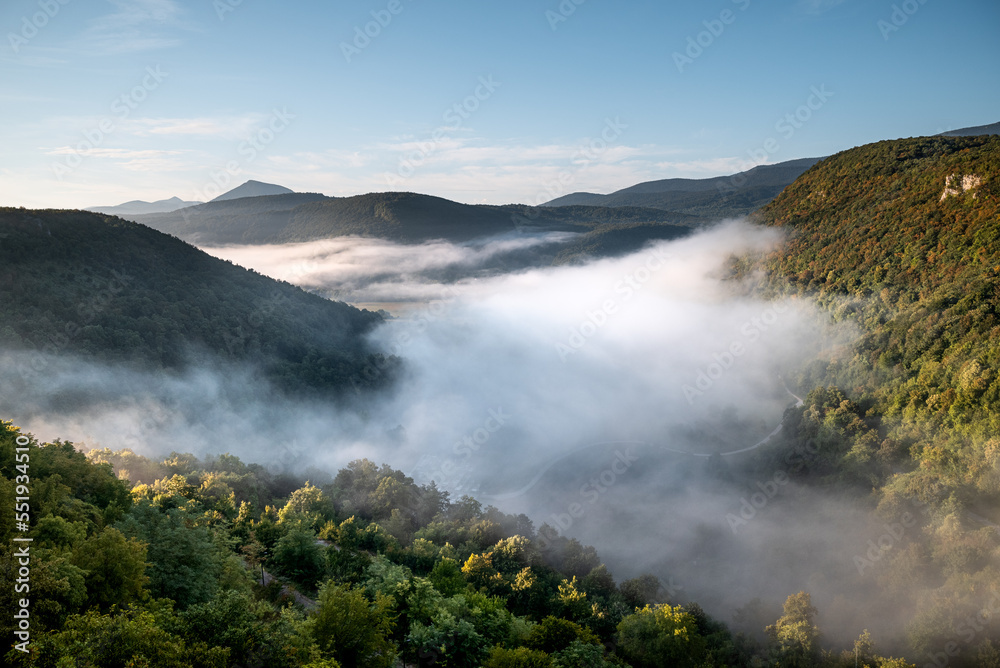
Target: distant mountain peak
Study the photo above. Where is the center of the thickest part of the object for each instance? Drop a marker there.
(253, 189)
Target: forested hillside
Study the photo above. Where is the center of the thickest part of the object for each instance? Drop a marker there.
(105, 289)
(902, 239)
(887, 236)
(172, 563)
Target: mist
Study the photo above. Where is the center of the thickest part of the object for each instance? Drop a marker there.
(615, 401)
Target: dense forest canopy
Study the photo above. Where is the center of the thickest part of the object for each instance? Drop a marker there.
(189, 563)
(102, 288)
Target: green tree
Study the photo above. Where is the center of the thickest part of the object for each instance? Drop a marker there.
(554, 634)
(447, 577)
(123, 639)
(352, 630)
(308, 505)
(581, 655)
(522, 657)
(661, 636)
(299, 557)
(115, 568)
(184, 561)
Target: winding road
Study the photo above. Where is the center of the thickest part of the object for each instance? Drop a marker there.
(545, 469)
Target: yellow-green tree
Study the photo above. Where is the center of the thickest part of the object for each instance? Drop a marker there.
(794, 637)
(660, 635)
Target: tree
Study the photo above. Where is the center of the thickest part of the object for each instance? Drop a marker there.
(131, 638)
(574, 601)
(352, 630)
(307, 504)
(522, 657)
(553, 634)
(581, 655)
(661, 636)
(184, 561)
(640, 591)
(115, 568)
(298, 556)
(228, 621)
(794, 637)
(599, 582)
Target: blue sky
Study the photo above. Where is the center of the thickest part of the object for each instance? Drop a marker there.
(523, 100)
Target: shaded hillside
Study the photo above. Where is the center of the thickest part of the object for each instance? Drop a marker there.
(101, 287)
(616, 239)
(713, 198)
(229, 221)
(400, 217)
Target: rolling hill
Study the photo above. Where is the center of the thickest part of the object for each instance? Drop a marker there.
(713, 198)
(394, 216)
(139, 207)
(100, 287)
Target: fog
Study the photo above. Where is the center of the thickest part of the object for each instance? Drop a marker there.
(589, 397)
(373, 271)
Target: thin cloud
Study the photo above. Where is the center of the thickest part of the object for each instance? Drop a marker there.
(816, 7)
(136, 25)
(233, 127)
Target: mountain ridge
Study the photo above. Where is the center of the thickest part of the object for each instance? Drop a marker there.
(393, 216)
(140, 207)
(715, 197)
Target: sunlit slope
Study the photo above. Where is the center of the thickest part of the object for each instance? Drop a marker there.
(903, 237)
